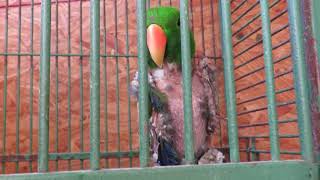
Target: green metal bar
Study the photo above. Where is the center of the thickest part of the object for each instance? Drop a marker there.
(187, 86)
(56, 146)
(31, 85)
(81, 88)
(246, 12)
(268, 152)
(66, 156)
(215, 61)
(202, 29)
(69, 82)
(143, 81)
(95, 85)
(293, 170)
(254, 156)
(300, 76)
(267, 136)
(270, 84)
(5, 88)
(191, 13)
(18, 89)
(117, 77)
(266, 123)
(66, 55)
(105, 83)
(128, 81)
(44, 86)
(229, 80)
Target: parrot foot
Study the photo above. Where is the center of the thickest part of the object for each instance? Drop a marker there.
(212, 156)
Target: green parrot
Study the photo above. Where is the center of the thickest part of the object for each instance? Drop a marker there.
(166, 94)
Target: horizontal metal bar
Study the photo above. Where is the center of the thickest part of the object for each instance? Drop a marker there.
(67, 156)
(263, 96)
(293, 170)
(266, 123)
(260, 55)
(88, 55)
(67, 55)
(28, 4)
(246, 12)
(266, 107)
(238, 6)
(267, 136)
(261, 68)
(262, 81)
(268, 152)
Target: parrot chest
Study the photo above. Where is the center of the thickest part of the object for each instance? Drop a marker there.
(169, 82)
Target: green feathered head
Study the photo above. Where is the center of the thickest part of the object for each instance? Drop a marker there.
(163, 37)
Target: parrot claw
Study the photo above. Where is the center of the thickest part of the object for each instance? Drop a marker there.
(212, 156)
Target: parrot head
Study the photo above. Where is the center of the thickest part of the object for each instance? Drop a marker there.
(163, 37)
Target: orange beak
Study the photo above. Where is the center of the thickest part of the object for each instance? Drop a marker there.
(156, 42)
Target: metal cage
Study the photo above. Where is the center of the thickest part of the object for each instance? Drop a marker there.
(246, 34)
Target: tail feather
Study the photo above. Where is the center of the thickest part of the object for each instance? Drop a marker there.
(167, 154)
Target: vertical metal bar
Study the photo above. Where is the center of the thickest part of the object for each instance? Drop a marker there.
(44, 86)
(57, 84)
(187, 86)
(248, 148)
(128, 81)
(105, 83)
(69, 83)
(229, 80)
(31, 86)
(81, 87)
(191, 9)
(300, 77)
(117, 77)
(143, 81)
(18, 90)
(5, 90)
(95, 84)
(253, 156)
(271, 96)
(202, 29)
(148, 3)
(215, 61)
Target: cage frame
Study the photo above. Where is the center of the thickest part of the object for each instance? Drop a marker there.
(306, 66)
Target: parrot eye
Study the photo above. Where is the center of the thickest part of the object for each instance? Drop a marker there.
(178, 23)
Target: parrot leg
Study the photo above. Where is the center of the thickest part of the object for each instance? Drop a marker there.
(161, 130)
(208, 74)
(212, 156)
